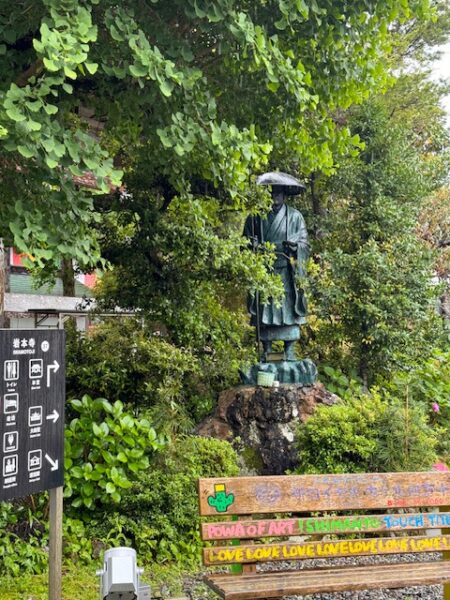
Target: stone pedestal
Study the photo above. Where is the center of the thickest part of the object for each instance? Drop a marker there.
(265, 421)
(303, 372)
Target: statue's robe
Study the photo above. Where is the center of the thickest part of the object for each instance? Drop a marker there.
(285, 225)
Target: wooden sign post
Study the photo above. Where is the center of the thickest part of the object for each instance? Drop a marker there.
(55, 544)
(32, 397)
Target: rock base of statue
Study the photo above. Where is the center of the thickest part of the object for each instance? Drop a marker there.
(285, 371)
(263, 422)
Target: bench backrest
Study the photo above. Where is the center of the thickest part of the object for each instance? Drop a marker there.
(250, 496)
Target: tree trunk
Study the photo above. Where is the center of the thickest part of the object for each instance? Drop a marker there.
(363, 367)
(317, 208)
(444, 305)
(68, 277)
(363, 372)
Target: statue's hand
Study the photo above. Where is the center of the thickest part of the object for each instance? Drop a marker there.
(253, 242)
(290, 247)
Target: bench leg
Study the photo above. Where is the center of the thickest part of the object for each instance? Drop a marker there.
(446, 556)
(447, 585)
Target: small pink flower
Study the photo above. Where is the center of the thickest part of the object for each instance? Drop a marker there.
(440, 467)
(435, 407)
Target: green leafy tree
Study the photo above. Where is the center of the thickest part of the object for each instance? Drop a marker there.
(197, 94)
(434, 228)
(376, 297)
(183, 102)
(371, 300)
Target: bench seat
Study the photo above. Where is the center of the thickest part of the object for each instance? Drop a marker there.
(334, 579)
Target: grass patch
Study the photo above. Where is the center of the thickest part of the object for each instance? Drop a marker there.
(81, 583)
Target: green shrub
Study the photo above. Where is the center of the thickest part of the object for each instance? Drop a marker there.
(337, 382)
(367, 434)
(123, 361)
(405, 439)
(159, 513)
(77, 544)
(127, 361)
(428, 385)
(339, 438)
(19, 555)
(24, 531)
(24, 535)
(106, 448)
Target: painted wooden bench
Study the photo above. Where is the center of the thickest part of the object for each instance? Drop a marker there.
(254, 507)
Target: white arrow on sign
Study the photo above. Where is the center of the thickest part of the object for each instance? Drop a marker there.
(53, 367)
(53, 463)
(54, 416)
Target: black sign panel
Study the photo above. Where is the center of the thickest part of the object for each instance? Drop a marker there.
(32, 375)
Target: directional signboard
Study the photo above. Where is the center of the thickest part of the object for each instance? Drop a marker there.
(32, 394)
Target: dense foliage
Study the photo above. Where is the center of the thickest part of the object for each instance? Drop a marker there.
(434, 228)
(367, 434)
(402, 425)
(154, 506)
(374, 291)
(105, 447)
(183, 103)
(129, 361)
(192, 96)
(427, 385)
(159, 513)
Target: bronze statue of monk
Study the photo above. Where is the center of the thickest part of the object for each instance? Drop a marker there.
(285, 228)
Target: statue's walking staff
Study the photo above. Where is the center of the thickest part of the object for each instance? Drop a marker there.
(255, 244)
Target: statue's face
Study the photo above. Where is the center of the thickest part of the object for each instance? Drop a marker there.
(278, 197)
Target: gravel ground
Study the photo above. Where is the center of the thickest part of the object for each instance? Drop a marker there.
(196, 590)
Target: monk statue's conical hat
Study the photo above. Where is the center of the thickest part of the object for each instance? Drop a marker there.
(292, 185)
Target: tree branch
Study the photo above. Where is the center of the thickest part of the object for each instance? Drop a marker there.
(35, 68)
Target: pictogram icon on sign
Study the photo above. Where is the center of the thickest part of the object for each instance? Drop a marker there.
(10, 465)
(53, 463)
(10, 441)
(36, 368)
(34, 460)
(54, 416)
(11, 370)
(35, 416)
(10, 403)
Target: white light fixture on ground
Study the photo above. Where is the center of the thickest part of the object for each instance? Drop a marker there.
(120, 576)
